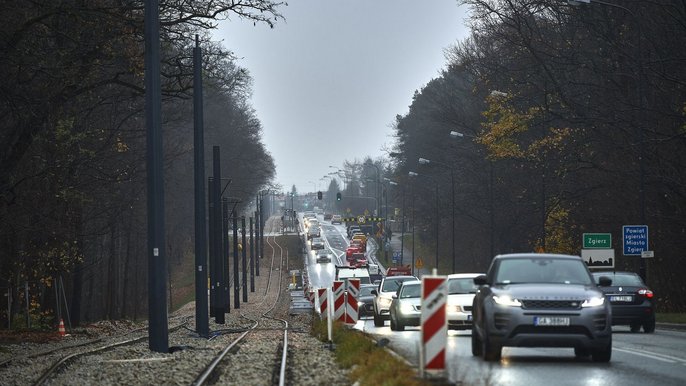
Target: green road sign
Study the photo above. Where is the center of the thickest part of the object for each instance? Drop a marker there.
(597, 240)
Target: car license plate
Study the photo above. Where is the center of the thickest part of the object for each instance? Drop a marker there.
(621, 298)
(551, 321)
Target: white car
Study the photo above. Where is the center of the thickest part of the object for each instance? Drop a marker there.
(323, 256)
(461, 291)
(383, 296)
(405, 308)
(317, 243)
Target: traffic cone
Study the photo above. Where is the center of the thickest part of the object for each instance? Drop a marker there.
(61, 328)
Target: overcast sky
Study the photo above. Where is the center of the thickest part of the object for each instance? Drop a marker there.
(329, 81)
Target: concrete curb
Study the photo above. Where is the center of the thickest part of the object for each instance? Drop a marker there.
(671, 326)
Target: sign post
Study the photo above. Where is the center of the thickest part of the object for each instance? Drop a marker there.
(434, 324)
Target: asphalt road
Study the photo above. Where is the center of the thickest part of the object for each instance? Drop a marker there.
(637, 359)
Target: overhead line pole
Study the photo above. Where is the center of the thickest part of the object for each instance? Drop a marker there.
(158, 329)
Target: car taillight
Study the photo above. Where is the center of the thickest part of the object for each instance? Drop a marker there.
(645, 292)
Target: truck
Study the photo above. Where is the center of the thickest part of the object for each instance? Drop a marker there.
(374, 273)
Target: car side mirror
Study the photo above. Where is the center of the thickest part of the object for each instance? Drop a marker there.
(394, 296)
(375, 292)
(604, 281)
(480, 280)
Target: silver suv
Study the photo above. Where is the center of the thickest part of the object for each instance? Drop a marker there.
(383, 296)
(541, 300)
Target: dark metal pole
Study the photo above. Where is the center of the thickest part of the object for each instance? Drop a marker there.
(452, 182)
(258, 247)
(223, 261)
(252, 258)
(158, 330)
(201, 316)
(412, 187)
(262, 224)
(402, 230)
(244, 263)
(492, 213)
(236, 279)
(214, 281)
(436, 188)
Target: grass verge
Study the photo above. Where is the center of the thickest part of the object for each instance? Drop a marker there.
(675, 317)
(371, 365)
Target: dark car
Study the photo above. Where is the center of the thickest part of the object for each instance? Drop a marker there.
(633, 303)
(365, 302)
(406, 308)
(541, 300)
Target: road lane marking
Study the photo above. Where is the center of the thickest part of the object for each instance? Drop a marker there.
(653, 355)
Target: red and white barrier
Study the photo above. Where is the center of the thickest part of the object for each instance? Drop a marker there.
(434, 324)
(351, 308)
(322, 300)
(339, 300)
(310, 296)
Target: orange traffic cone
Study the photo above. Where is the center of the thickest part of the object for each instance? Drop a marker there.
(61, 328)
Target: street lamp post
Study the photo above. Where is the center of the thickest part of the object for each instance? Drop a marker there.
(491, 213)
(414, 174)
(424, 161)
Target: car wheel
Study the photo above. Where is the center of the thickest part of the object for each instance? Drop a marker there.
(581, 352)
(393, 325)
(649, 326)
(476, 344)
(399, 326)
(602, 354)
(490, 352)
(635, 327)
(378, 320)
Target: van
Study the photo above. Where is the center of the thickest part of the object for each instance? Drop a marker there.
(344, 273)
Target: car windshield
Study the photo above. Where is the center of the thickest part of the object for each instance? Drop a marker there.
(366, 291)
(625, 279)
(392, 285)
(542, 270)
(410, 291)
(461, 286)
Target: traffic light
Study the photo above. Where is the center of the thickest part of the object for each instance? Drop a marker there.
(319, 195)
(338, 196)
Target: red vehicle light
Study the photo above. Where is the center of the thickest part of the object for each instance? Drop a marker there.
(646, 292)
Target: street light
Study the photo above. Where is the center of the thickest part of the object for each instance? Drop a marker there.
(378, 182)
(424, 161)
(386, 190)
(456, 135)
(413, 174)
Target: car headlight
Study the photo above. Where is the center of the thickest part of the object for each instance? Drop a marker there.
(452, 308)
(593, 302)
(406, 308)
(505, 300)
(385, 302)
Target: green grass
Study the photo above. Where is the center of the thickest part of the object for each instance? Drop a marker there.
(371, 365)
(670, 317)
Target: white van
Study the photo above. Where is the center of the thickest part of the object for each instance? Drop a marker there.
(346, 272)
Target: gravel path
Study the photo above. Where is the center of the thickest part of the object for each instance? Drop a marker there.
(309, 362)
